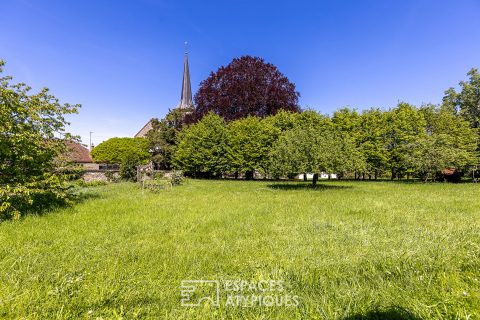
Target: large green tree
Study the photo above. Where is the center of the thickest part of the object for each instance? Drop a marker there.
(32, 135)
(348, 121)
(315, 148)
(404, 125)
(163, 136)
(114, 150)
(449, 142)
(249, 143)
(298, 151)
(202, 147)
(467, 101)
(247, 86)
(430, 154)
(372, 134)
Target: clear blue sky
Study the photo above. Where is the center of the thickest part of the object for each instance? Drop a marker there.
(122, 60)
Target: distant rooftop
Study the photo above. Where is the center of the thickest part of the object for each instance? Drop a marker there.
(78, 153)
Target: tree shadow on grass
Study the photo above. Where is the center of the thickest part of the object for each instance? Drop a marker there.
(305, 186)
(46, 202)
(390, 313)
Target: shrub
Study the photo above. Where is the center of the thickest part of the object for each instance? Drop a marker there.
(72, 172)
(34, 197)
(176, 178)
(163, 181)
(156, 184)
(112, 176)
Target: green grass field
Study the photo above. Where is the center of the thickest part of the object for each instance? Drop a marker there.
(348, 250)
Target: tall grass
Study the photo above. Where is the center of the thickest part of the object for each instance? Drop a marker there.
(348, 250)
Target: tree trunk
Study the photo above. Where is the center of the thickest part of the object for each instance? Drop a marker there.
(315, 179)
(236, 175)
(249, 175)
(304, 176)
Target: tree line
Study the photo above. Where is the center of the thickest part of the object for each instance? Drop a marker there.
(405, 141)
(246, 132)
(238, 127)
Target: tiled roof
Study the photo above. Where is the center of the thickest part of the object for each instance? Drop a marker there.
(78, 153)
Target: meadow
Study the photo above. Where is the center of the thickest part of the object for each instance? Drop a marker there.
(347, 250)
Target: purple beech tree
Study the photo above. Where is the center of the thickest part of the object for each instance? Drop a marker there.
(248, 86)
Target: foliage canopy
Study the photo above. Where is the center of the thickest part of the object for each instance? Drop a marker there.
(114, 150)
(31, 125)
(248, 86)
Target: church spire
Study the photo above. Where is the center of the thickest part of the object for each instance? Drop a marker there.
(186, 96)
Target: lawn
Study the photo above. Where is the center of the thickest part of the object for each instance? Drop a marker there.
(346, 250)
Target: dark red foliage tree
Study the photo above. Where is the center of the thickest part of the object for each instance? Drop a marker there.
(247, 86)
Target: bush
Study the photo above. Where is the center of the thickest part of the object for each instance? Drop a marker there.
(72, 172)
(156, 184)
(112, 176)
(164, 181)
(176, 178)
(34, 197)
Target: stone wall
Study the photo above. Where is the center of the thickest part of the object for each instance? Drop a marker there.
(95, 175)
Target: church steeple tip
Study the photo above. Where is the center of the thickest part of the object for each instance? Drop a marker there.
(186, 95)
